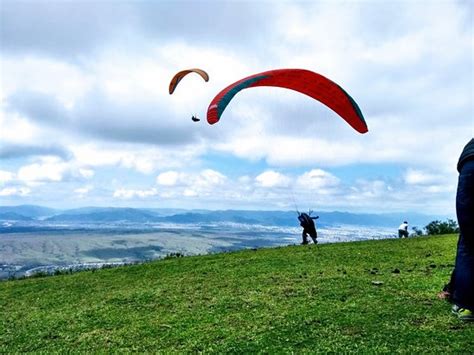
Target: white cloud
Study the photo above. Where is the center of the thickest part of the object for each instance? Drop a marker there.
(48, 171)
(418, 177)
(83, 191)
(16, 129)
(95, 155)
(6, 176)
(209, 176)
(142, 159)
(203, 179)
(169, 178)
(188, 192)
(132, 193)
(14, 191)
(272, 178)
(52, 170)
(142, 164)
(87, 173)
(369, 189)
(317, 179)
(428, 183)
(64, 81)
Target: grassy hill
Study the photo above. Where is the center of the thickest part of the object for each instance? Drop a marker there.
(293, 299)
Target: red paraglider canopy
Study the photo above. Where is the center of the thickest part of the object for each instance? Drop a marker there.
(304, 81)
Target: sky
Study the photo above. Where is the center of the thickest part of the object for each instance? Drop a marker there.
(86, 118)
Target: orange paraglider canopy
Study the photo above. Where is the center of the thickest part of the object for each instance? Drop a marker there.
(180, 75)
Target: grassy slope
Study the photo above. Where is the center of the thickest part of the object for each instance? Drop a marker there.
(297, 298)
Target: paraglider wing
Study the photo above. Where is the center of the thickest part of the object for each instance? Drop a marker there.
(180, 75)
(304, 81)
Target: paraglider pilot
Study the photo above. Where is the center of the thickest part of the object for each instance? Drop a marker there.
(309, 227)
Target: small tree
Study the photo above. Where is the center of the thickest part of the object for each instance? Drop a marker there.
(438, 227)
(417, 231)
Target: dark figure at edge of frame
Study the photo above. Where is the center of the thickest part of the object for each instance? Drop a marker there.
(309, 227)
(462, 283)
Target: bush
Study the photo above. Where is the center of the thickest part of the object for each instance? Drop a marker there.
(417, 232)
(173, 256)
(438, 227)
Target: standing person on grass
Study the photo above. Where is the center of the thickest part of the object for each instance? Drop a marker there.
(403, 230)
(463, 276)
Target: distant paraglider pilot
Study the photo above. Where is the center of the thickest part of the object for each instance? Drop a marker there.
(309, 227)
(195, 118)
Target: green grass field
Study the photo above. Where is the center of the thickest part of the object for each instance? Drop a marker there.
(368, 297)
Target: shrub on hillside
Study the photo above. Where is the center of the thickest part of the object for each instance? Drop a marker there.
(438, 227)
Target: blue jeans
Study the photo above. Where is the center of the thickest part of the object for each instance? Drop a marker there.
(463, 294)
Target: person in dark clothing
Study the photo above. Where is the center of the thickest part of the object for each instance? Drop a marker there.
(463, 278)
(309, 227)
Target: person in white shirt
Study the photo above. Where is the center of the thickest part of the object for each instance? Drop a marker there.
(403, 230)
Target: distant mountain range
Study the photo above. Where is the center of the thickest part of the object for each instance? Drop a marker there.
(88, 215)
(30, 211)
